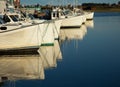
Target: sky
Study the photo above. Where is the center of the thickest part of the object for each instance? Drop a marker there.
(63, 2)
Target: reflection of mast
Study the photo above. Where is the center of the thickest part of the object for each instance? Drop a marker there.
(10, 3)
(21, 67)
(76, 3)
(57, 50)
(46, 53)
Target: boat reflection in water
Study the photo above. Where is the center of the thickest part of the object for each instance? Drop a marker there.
(50, 55)
(89, 23)
(27, 67)
(73, 33)
(21, 67)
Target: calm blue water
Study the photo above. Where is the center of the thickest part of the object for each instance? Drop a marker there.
(93, 61)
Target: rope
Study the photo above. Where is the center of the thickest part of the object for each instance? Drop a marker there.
(39, 31)
(44, 33)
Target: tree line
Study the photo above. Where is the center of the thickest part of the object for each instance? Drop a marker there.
(94, 6)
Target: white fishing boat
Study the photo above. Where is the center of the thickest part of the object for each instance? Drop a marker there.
(25, 34)
(48, 29)
(21, 67)
(73, 21)
(89, 15)
(69, 19)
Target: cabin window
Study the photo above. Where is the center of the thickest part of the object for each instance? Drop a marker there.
(53, 14)
(6, 18)
(58, 14)
(31, 16)
(1, 21)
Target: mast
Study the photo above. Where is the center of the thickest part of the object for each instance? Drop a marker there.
(76, 1)
(11, 2)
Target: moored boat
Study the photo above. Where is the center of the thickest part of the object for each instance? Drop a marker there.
(48, 29)
(69, 19)
(89, 15)
(73, 21)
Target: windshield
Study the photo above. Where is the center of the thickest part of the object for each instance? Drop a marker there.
(67, 12)
(14, 18)
(31, 16)
(1, 21)
(1, 16)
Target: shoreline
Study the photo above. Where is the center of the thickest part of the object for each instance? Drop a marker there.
(105, 10)
(101, 9)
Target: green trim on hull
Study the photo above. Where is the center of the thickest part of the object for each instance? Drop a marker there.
(47, 44)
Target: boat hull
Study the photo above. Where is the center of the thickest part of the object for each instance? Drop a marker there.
(73, 21)
(89, 15)
(47, 34)
(20, 38)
